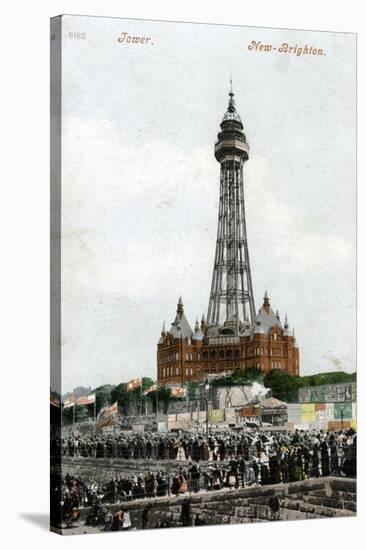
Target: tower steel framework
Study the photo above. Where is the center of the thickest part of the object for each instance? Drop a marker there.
(231, 296)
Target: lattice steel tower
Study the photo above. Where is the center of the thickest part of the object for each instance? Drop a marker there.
(231, 297)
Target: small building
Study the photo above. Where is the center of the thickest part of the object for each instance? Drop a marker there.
(273, 411)
(270, 411)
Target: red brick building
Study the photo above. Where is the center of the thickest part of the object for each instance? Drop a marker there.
(185, 354)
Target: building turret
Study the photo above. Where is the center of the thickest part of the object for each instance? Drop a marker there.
(180, 308)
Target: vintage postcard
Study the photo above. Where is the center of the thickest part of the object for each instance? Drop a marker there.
(203, 274)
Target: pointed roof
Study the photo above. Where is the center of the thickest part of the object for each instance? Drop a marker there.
(180, 326)
(266, 318)
(163, 334)
(231, 113)
(198, 334)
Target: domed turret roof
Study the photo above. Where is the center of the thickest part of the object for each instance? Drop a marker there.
(231, 113)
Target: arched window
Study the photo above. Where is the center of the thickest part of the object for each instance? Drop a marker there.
(213, 355)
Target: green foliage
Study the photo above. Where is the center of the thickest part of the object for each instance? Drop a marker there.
(285, 386)
(121, 395)
(192, 385)
(131, 402)
(147, 383)
(164, 396)
(83, 414)
(67, 415)
(103, 396)
(336, 377)
(240, 377)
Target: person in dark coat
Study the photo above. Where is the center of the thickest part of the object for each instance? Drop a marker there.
(117, 522)
(292, 465)
(274, 469)
(185, 515)
(315, 461)
(324, 458)
(194, 477)
(144, 516)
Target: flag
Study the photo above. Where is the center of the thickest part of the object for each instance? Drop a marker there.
(86, 399)
(154, 387)
(106, 416)
(134, 383)
(69, 402)
(113, 409)
(178, 392)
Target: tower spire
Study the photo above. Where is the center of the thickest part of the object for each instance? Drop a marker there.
(231, 106)
(266, 304)
(180, 309)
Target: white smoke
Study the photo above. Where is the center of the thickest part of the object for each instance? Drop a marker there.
(258, 391)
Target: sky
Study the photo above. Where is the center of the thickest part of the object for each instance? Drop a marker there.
(140, 186)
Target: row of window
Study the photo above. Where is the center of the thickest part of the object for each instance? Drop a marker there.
(173, 371)
(168, 372)
(222, 355)
(188, 356)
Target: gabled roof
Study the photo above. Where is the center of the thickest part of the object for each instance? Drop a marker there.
(185, 328)
(272, 403)
(267, 319)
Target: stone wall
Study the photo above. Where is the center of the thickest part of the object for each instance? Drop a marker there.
(315, 498)
(323, 498)
(103, 469)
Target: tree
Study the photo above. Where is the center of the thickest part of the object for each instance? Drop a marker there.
(192, 386)
(103, 395)
(164, 396)
(131, 402)
(284, 386)
(240, 377)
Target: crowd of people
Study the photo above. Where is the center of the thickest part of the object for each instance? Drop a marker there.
(223, 460)
(311, 452)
